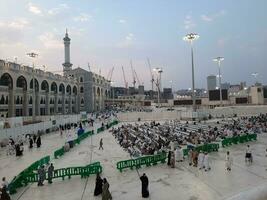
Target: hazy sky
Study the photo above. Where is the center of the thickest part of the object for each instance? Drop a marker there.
(109, 33)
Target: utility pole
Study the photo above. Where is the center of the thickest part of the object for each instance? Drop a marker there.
(33, 55)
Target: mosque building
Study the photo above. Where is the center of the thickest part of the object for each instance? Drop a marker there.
(27, 91)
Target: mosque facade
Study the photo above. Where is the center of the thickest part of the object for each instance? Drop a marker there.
(27, 91)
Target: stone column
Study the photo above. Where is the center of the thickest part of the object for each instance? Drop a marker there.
(56, 104)
(11, 106)
(25, 105)
(47, 103)
(70, 104)
(37, 103)
(63, 104)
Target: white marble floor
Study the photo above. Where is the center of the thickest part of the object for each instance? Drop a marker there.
(183, 182)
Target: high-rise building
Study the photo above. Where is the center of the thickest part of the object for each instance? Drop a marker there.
(225, 86)
(211, 82)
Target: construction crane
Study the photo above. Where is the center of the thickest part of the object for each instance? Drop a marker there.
(125, 82)
(110, 73)
(134, 81)
(152, 78)
(138, 80)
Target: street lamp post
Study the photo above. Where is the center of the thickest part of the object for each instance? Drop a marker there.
(158, 82)
(33, 55)
(219, 60)
(190, 38)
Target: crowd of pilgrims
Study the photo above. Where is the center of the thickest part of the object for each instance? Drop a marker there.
(154, 137)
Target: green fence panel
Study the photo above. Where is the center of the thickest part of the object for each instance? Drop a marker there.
(138, 162)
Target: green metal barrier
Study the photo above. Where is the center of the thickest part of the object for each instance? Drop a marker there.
(85, 171)
(59, 152)
(27, 176)
(20, 180)
(238, 139)
(205, 148)
(138, 162)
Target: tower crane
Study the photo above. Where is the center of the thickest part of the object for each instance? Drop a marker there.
(110, 73)
(125, 82)
(134, 81)
(138, 80)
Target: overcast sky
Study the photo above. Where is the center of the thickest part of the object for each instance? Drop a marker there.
(109, 33)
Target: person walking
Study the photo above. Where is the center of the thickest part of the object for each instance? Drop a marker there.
(248, 157)
(41, 175)
(30, 142)
(200, 161)
(4, 194)
(34, 138)
(206, 162)
(98, 185)
(4, 183)
(190, 157)
(105, 190)
(38, 141)
(145, 182)
(228, 161)
(172, 161)
(169, 158)
(50, 172)
(101, 144)
(179, 154)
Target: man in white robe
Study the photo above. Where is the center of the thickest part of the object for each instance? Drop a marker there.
(179, 154)
(200, 160)
(206, 162)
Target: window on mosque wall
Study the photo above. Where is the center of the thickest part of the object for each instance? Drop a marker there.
(82, 101)
(2, 100)
(81, 79)
(81, 89)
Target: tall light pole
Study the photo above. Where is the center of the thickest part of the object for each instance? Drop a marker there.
(219, 60)
(158, 81)
(190, 38)
(33, 55)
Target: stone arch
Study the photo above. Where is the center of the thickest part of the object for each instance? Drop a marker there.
(62, 88)
(45, 86)
(21, 83)
(6, 80)
(68, 90)
(36, 85)
(54, 87)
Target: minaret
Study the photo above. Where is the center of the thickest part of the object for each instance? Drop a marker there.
(67, 65)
